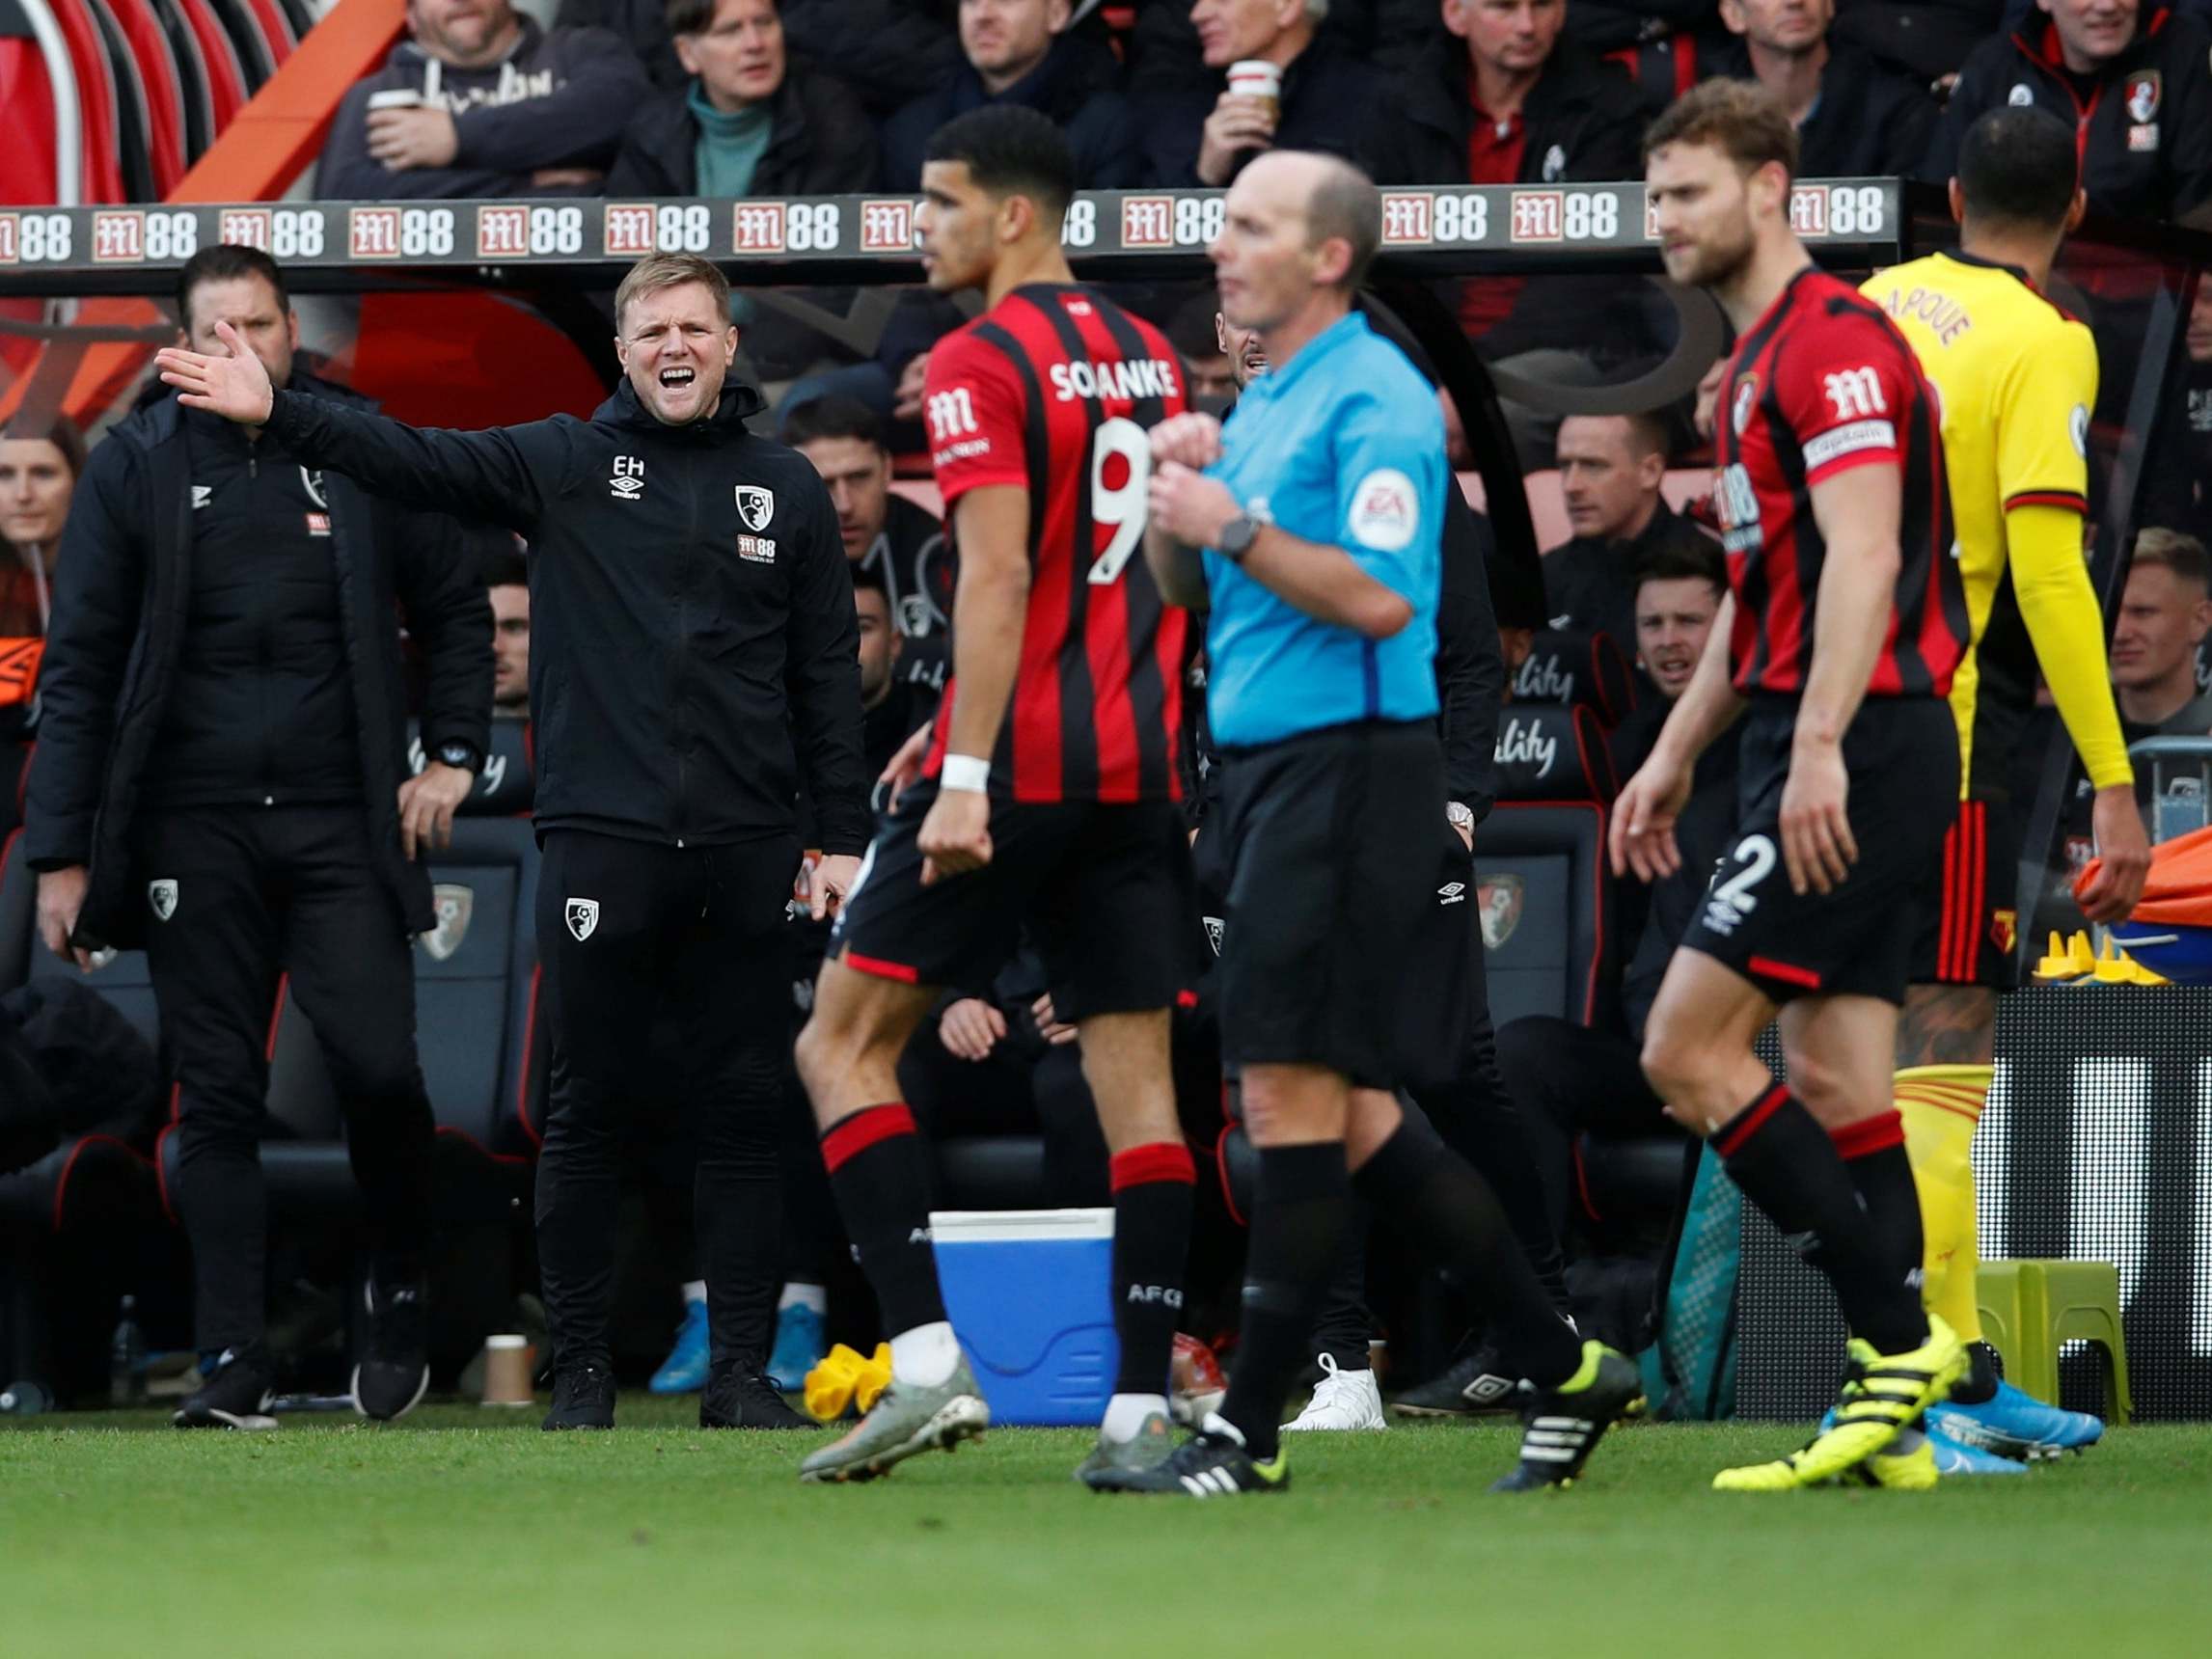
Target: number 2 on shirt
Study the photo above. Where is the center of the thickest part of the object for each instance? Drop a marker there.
(1122, 507)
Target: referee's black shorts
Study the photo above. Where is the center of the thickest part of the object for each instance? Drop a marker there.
(1858, 938)
(1330, 843)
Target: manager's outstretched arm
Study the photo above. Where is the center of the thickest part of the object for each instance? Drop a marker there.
(492, 475)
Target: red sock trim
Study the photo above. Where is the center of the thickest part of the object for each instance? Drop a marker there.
(1869, 1136)
(1163, 1160)
(848, 1137)
(1746, 1122)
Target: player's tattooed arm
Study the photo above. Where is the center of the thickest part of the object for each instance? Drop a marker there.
(1947, 1025)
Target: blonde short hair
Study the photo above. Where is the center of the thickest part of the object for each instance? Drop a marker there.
(655, 272)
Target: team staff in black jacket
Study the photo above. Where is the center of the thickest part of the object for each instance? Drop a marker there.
(219, 778)
(693, 621)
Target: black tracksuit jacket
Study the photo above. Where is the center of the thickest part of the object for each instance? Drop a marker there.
(119, 654)
(692, 652)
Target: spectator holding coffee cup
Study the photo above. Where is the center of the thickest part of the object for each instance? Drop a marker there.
(1273, 83)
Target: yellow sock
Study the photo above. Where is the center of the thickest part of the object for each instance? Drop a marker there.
(1941, 1105)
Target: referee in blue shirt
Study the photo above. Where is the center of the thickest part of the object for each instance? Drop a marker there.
(1312, 539)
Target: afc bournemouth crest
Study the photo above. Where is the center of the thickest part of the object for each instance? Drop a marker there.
(756, 506)
(2143, 94)
(581, 917)
(453, 905)
(2004, 930)
(1745, 400)
(1500, 900)
(161, 896)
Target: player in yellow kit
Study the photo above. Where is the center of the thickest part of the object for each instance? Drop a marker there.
(2018, 378)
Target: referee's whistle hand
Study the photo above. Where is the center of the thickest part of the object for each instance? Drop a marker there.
(1190, 440)
(956, 836)
(1189, 506)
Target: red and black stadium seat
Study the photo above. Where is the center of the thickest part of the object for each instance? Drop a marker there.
(98, 127)
(163, 86)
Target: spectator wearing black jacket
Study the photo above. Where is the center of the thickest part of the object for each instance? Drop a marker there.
(501, 108)
(1611, 468)
(749, 122)
(220, 777)
(692, 627)
(884, 48)
(1853, 117)
(2135, 88)
(1197, 133)
(1021, 52)
(1517, 104)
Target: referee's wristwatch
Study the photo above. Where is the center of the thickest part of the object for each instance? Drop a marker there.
(458, 751)
(1236, 537)
(1460, 816)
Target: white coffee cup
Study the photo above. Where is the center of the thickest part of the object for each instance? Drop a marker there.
(398, 98)
(507, 1369)
(1257, 78)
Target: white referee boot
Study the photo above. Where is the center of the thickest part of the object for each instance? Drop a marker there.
(1343, 1399)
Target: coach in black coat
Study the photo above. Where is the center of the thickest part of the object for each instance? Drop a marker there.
(119, 612)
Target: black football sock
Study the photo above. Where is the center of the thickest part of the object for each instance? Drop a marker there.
(1345, 1328)
(1785, 1163)
(1153, 1187)
(879, 1169)
(1480, 1121)
(1451, 1215)
(1874, 1154)
(1298, 1227)
(1978, 1386)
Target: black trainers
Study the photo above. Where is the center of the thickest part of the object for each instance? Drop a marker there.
(735, 1399)
(236, 1397)
(583, 1397)
(1213, 1463)
(395, 1365)
(1475, 1385)
(1562, 1428)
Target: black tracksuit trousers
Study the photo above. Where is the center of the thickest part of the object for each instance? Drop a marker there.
(627, 930)
(241, 895)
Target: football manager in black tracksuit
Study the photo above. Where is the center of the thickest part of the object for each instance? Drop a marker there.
(221, 776)
(692, 628)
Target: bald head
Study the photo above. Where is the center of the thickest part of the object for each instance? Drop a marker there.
(1297, 234)
(1337, 202)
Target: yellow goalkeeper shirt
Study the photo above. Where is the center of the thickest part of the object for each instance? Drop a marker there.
(2018, 378)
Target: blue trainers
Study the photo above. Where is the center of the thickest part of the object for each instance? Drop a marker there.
(2015, 1425)
(1952, 1457)
(800, 1346)
(684, 1370)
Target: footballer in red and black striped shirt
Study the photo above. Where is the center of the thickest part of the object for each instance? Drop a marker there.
(1053, 391)
(1821, 385)
(1047, 806)
(1845, 622)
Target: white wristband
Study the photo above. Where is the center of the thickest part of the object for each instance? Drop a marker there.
(965, 771)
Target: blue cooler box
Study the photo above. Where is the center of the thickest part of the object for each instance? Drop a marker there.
(1026, 1290)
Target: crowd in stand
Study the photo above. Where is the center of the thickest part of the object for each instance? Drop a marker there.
(735, 98)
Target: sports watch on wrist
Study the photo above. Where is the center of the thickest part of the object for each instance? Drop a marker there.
(1236, 537)
(1459, 815)
(458, 753)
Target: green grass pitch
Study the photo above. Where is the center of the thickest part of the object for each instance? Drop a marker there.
(466, 1532)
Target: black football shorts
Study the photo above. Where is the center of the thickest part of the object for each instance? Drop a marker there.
(1901, 754)
(1104, 890)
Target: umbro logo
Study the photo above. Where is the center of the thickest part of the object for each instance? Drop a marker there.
(628, 483)
(1452, 893)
